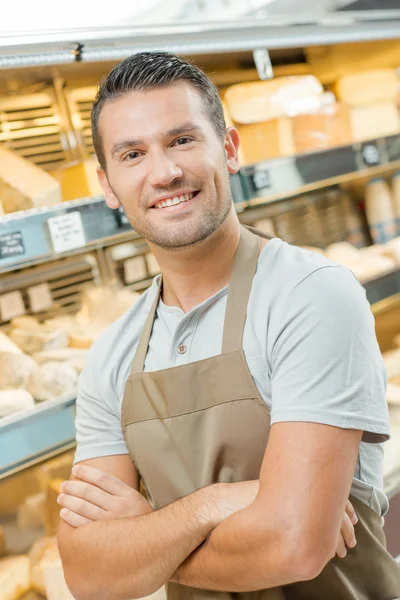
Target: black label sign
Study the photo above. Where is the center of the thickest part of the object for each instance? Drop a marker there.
(11, 244)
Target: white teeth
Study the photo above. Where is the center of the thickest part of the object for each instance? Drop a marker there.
(175, 200)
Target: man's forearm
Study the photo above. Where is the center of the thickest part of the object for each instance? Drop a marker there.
(133, 557)
(244, 554)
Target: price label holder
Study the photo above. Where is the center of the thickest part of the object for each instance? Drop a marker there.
(40, 298)
(369, 154)
(11, 244)
(66, 232)
(11, 306)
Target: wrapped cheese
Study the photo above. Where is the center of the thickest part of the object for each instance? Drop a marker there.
(24, 185)
(266, 140)
(15, 578)
(374, 121)
(267, 100)
(52, 380)
(39, 340)
(15, 370)
(368, 87)
(326, 128)
(14, 401)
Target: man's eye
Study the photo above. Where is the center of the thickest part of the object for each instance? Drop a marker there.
(183, 140)
(131, 156)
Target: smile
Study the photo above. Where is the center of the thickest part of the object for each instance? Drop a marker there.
(173, 201)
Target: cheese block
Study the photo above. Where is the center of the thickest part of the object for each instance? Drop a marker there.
(2, 542)
(328, 127)
(14, 401)
(79, 180)
(263, 141)
(368, 87)
(374, 121)
(52, 380)
(15, 370)
(266, 100)
(15, 580)
(39, 341)
(24, 185)
(25, 322)
(31, 511)
(43, 548)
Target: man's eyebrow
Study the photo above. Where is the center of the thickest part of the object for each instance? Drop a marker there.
(125, 144)
(185, 128)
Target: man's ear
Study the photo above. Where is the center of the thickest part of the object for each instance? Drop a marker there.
(232, 145)
(111, 198)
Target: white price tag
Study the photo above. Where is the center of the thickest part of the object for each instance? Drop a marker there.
(135, 269)
(11, 306)
(67, 232)
(40, 298)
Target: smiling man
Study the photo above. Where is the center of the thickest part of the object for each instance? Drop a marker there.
(245, 389)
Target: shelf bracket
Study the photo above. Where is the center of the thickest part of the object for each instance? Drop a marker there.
(263, 63)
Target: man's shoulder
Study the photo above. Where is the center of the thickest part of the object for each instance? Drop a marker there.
(286, 265)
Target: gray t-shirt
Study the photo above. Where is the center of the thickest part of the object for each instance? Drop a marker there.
(309, 342)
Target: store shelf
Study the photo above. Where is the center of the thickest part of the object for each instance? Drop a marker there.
(245, 34)
(274, 180)
(25, 236)
(30, 437)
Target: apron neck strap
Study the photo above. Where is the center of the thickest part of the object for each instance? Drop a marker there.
(140, 356)
(243, 271)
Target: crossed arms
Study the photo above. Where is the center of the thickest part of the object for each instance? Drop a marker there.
(258, 535)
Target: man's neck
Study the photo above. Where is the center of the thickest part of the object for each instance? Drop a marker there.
(192, 275)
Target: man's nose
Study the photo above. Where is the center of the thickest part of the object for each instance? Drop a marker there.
(164, 170)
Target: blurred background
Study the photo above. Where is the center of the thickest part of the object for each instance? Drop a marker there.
(314, 90)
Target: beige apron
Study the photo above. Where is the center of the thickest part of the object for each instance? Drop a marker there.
(190, 426)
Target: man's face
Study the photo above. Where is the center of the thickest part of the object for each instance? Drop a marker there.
(166, 164)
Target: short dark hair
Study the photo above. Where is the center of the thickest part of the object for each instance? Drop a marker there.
(150, 70)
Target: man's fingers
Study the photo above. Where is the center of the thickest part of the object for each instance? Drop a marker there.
(102, 480)
(347, 532)
(82, 507)
(88, 492)
(73, 519)
(351, 512)
(341, 550)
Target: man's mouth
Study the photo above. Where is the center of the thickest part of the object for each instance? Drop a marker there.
(175, 200)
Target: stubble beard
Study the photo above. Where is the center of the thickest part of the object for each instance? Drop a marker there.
(175, 238)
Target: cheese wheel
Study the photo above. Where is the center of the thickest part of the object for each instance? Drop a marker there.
(15, 578)
(13, 401)
(15, 370)
(52, 380)
(368, 87)
(38, 341)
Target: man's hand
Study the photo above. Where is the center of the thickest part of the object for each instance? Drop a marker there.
(98, 496)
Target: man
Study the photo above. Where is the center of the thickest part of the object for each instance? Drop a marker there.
(250, 359)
